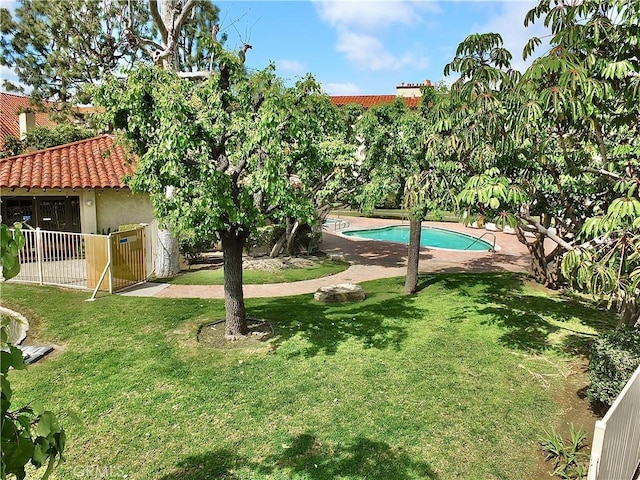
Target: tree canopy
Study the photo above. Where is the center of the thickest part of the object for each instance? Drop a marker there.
(223, 155)
(554, 151)
(58, 48)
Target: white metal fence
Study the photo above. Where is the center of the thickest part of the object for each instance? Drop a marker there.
(83, 260)
(615, 454)
(53, 258)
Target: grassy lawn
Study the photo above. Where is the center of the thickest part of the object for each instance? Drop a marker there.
(258, 277)
(456, 382)
(394, 214)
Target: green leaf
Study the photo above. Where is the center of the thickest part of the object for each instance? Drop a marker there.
(47, 423)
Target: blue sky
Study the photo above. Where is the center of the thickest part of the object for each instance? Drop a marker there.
(358, 47)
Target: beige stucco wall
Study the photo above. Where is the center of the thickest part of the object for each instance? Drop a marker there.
(119, 207)
(99, 209)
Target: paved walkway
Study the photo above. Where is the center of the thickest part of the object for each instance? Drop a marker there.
(369, 260)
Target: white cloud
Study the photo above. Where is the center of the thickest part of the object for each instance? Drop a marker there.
(359, 26)
(292, 67)
(372, 15)
(368, 52)
(510, 25)
(341, 88)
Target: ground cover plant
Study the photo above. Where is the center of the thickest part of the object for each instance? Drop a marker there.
(215, 276)
(457, 381)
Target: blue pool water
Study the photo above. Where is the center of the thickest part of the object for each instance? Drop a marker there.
(431, 237)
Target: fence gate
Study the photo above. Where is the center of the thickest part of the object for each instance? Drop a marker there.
(127, 258)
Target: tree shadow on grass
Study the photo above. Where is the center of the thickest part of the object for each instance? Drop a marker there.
(530, 322)
(306, 457)
(378, 322)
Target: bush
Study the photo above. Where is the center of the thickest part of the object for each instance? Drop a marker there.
(193, 246)
(614, 358)
(266, 236)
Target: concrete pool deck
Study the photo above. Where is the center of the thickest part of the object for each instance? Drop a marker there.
(370, 260)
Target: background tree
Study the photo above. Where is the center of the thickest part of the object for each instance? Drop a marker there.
(225, 149)
(332, 156)
(39, 138)
(58, 48)
(395, 161)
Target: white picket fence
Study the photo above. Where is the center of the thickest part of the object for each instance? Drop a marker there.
(615, 454)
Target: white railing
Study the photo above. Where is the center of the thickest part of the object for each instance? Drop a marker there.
(615, 454)
(335, 224)
(53, 258)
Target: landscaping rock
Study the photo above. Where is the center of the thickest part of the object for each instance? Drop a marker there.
(344, 292)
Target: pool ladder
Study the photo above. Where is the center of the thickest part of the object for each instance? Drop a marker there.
(493, 248)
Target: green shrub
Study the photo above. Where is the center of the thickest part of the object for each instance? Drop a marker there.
(614, 358)
(193, 246)
(128, 226)
(266, 236)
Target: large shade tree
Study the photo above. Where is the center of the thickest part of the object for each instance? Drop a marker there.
(220, 156)
(399, 160)
(555, 150)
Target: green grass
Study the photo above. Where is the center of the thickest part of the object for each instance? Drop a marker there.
(456, 382)
(259, 277)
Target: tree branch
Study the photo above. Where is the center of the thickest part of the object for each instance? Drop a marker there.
(186, 10)
(541, 229)
(602, 172)
(157, 19)
(194, 74)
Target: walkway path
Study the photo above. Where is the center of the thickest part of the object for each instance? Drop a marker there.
(369, 260)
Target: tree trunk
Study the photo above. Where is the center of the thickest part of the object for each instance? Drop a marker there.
(236, 316)
(539, 268)
(277, 248)
(291, 236)
(168, 254)
(413, 260)
(629, 312)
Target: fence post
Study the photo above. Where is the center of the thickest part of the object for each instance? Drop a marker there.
(596, 450)
(39, 256)
(110, 262)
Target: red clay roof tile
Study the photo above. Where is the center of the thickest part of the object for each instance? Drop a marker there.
(368, 101)
(10, 107)
(92, 163)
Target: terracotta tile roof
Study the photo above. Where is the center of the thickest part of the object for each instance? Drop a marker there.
(11, 106)
(368, 101)
(92, 163)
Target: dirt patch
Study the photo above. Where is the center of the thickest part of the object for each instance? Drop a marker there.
(575, 409)
(212, 335)
(274, 264)
(212, 261)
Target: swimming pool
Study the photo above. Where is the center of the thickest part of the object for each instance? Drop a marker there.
(431, 237)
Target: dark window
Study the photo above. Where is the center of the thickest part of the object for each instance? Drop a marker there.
(60, 214)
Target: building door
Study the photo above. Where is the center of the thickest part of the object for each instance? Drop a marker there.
(60, 214)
